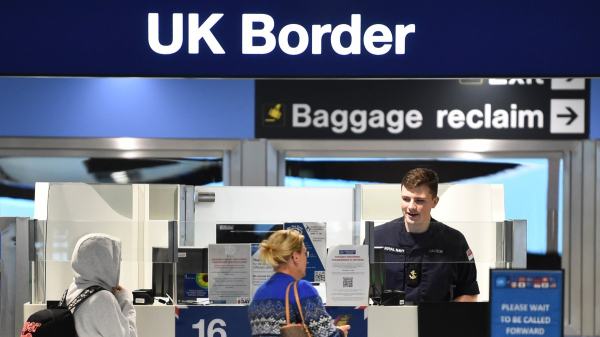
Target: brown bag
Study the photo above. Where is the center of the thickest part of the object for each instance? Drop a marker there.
(293, 330)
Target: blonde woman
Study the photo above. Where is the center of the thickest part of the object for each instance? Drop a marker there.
(285, 251)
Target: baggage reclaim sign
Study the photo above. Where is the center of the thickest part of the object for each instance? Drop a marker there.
(423, 109)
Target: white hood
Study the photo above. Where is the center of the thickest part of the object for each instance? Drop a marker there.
(97, 261)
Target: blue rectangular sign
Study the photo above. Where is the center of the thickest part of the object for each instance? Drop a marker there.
(526, 302)
(315, 269)
(356, 38)
(195, 285)
(232, 321)
(194, 321)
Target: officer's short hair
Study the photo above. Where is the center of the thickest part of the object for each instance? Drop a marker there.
(421, 176)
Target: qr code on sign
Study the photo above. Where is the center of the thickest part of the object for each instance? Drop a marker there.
(319, 276)
(348, 282)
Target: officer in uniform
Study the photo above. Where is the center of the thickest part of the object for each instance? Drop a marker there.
(433, 262)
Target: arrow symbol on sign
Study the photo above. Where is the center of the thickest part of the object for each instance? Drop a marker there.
(572, 114)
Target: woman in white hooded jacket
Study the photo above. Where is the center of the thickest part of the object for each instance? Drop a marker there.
(97, 262)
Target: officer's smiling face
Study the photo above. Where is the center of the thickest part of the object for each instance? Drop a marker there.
(416, 206)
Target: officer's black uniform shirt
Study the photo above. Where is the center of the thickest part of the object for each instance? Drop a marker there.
(436, 265)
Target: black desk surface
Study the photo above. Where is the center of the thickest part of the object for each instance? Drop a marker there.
(454, 319)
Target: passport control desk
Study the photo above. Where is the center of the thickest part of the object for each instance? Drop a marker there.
(161, 320)
(86, 206)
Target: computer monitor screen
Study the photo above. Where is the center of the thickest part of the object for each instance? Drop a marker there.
(192, 273)
(245, 233)
(377, 274)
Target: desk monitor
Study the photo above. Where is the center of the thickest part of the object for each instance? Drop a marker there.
(245, 233)
(192, 273)
(377, 274)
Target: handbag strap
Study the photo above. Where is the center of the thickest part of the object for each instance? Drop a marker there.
(287, 304)
(298, 302)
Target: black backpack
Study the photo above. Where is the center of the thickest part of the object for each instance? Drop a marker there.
(56, 321)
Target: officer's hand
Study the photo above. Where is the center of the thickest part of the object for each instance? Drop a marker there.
(118, 288)
(345, 329)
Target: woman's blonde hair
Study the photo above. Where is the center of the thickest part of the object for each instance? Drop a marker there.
(280, 246)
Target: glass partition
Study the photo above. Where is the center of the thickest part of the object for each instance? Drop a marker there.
(452, 252)
(445, 249)
(146, 263)
(319, 237)
(480, 235)
(516, 174)
(55, 241)
(210, 232)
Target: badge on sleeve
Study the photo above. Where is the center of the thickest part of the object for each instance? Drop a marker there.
(470, 255)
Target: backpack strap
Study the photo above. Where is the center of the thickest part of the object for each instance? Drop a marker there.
(80, 298)
(63, 299)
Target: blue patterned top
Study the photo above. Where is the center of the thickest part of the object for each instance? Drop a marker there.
(267, 309)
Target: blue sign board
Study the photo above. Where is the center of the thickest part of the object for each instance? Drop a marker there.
(195, 285)
(223, 321)
(526, 302)
(194, 321)
(315, 269)
(261, 38)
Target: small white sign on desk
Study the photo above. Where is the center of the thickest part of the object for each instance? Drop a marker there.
(229, 273)
(347, 276)
(397, 321)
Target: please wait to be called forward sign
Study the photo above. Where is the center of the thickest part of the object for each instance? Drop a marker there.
(526, 303)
